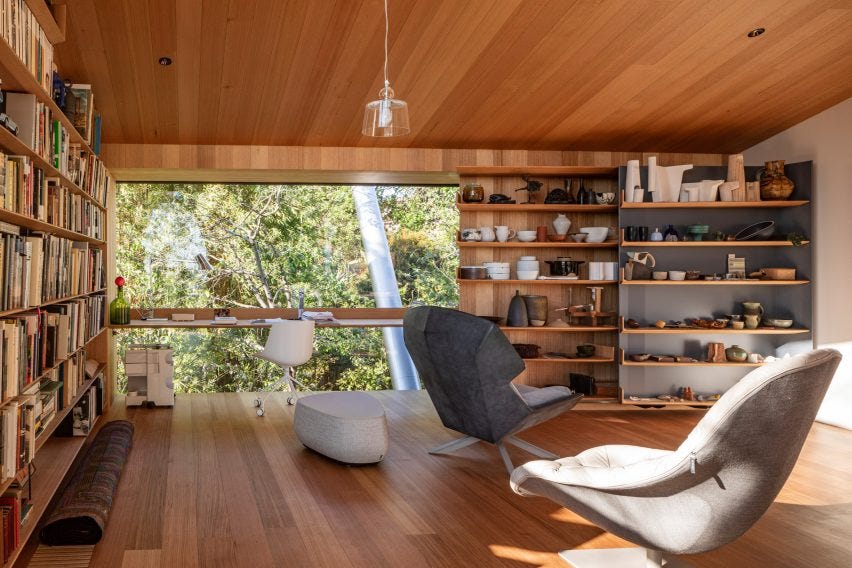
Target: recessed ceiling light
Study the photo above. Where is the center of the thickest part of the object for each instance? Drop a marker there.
(756, 32)
(165, 61)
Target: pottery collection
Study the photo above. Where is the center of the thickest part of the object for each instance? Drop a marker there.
(774, 185)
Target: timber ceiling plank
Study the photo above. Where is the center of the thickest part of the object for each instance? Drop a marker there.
(673, 75)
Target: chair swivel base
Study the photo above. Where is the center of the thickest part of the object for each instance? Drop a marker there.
(465, 441)
(620, 557)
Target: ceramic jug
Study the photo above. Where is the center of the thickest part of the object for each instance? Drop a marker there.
(487, 234)
(752, 309)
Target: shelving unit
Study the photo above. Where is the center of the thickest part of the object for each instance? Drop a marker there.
(491, 297)
(648, 301)
(54, 455)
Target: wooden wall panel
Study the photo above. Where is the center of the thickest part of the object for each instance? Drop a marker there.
(176, 162)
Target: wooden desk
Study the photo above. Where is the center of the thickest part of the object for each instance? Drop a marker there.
(243, 323)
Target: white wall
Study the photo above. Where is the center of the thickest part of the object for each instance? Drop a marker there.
(827, 140)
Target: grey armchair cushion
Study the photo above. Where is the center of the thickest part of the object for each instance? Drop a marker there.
(467, 365)
(719, 481)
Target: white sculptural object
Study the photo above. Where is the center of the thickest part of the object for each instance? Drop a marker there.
(631, 180)
(668, 182)
(689, 191)
(652, 178)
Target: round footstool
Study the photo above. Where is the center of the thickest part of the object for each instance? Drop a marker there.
(349, 427)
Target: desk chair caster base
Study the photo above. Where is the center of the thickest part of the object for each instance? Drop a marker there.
(291, 400)
(260, 412)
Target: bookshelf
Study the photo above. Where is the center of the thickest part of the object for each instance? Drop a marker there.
(54, 195)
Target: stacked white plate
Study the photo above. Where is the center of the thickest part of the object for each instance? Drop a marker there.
(497, 270)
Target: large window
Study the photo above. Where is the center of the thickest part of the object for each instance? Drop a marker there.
(229, 245)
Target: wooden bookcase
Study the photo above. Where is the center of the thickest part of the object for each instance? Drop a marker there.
(492, 297)
(649, 300)
(54, 456)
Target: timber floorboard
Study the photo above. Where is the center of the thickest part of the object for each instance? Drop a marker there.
(210, 484)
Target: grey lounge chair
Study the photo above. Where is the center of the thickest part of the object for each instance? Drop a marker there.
(710, 490)
(467, 365)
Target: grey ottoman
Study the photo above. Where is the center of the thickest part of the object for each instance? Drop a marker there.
(349, 427)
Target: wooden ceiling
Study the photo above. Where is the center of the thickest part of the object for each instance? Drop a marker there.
(667, 75)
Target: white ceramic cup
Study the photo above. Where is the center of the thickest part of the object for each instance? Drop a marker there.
(504, 233)
(487, 234)
(754, 357)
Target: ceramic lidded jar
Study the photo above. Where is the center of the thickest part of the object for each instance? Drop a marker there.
(473, 193)
(736, 354)
(561, 224)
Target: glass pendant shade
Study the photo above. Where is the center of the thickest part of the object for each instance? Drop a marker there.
(386, 116)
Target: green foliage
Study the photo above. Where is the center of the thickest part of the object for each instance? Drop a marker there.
(214, 245)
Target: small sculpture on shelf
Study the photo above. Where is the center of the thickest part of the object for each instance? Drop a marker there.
(531, 188)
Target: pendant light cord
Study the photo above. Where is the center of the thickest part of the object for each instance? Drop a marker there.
(387, 83)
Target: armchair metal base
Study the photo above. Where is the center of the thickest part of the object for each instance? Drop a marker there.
(621, 557)
(501, 447)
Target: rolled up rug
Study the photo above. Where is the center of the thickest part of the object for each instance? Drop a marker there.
(81, 513)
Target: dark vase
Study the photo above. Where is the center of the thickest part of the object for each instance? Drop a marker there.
(517, 316)
(671, 234)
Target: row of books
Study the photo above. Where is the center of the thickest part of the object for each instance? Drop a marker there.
(21, 422)
(15, 505)
(25, 190)
(33, 344)
(24, 35)
(48, 138)
(40, 267)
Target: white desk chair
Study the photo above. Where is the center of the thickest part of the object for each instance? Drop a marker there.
(290, 343)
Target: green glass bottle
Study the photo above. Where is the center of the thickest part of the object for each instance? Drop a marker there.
(119, 309)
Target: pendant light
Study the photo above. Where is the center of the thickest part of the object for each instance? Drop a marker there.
(386, 116)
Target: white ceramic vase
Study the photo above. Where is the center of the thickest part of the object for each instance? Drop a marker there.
(710, 189)
(631, 180)
(561, 224)
(652, 179)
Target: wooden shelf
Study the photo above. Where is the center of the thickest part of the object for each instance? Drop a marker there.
(717, 204)
(559, 282)
(51, 302)
(657, 402)
(572, 329)
(576, 361)
(535, 207)
(60, 454)
(36, 225)
(721, 244)
(16, 77)
(714, 282)
(723, 331)
(628, 363)
(536, 244)
(54, 31)
(540, 171)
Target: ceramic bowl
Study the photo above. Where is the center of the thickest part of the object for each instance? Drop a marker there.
(639, 357)
(526, 236)
(660, 275)
(527, 265)
(778, 322)
(677, 275)
(579, 237)
(585, 350)
(527, 274)
(472, 272)
(605, 198)
(758, 231)
(556, 238)
(527, 258)
(595, 234)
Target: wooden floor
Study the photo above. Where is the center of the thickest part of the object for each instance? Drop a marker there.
(210, 484)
